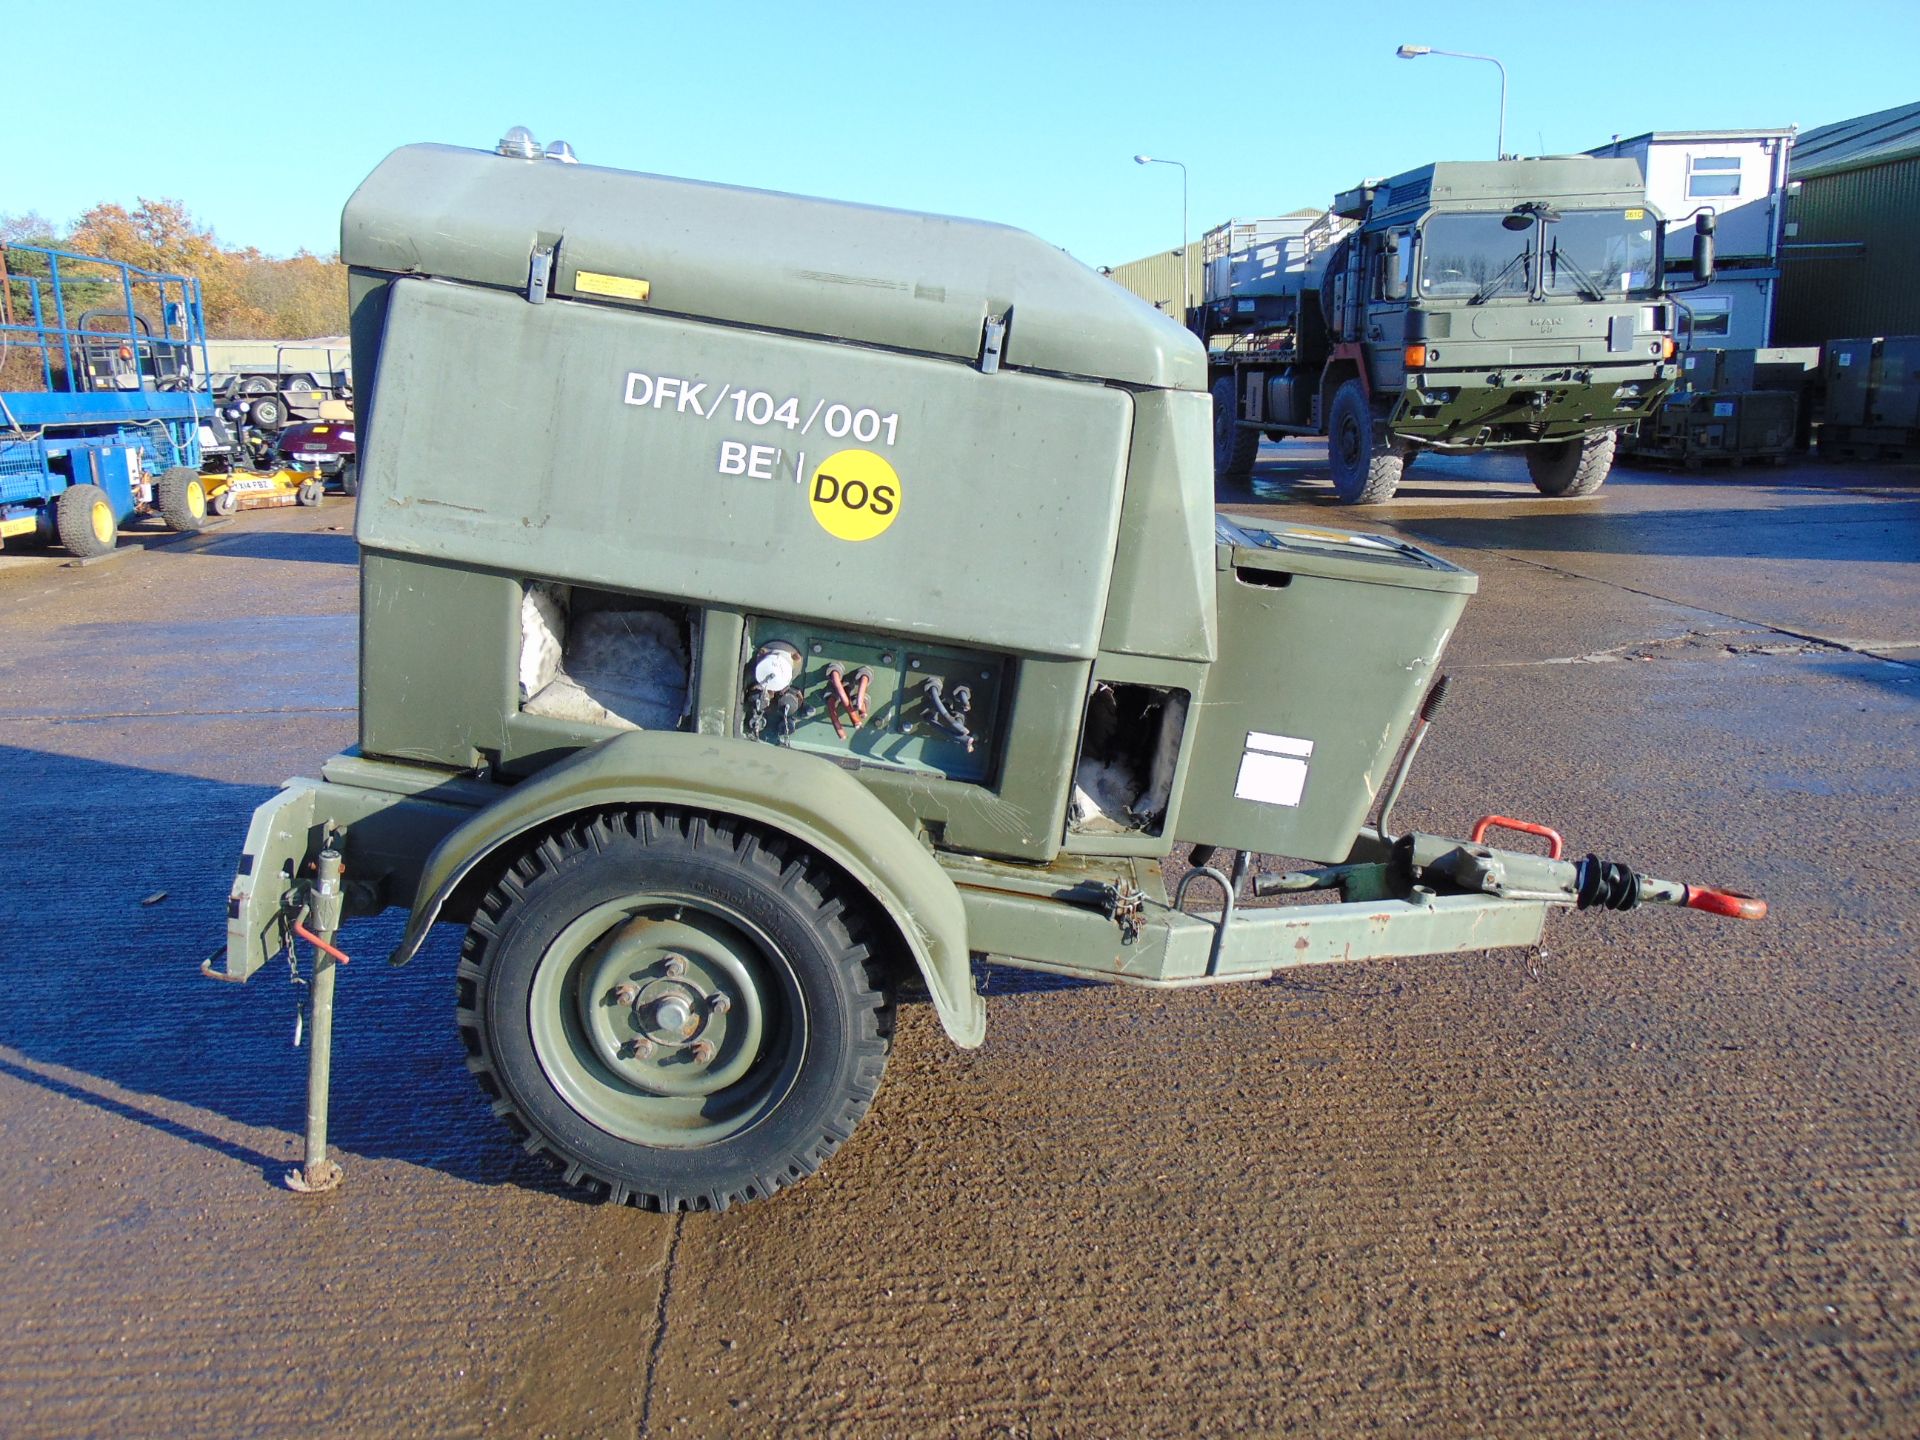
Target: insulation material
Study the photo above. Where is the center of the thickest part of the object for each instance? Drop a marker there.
(1103, 791)
(624, 669)
(1125, 776)
(1166, 753)
(543, 621)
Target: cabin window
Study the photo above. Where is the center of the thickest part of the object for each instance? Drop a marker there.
(1710, 315)
(1713, 176)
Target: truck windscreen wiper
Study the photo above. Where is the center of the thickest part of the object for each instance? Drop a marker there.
(1481, 295)
(1586, 282)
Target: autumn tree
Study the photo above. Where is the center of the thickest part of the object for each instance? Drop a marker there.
(245, 294)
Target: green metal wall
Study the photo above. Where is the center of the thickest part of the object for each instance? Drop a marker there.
(1156, 279)
(1868, 288)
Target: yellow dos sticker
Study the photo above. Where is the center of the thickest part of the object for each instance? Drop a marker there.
(855, 494)
(1636, 214)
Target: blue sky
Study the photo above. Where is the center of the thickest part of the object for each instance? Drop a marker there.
(1024, 113)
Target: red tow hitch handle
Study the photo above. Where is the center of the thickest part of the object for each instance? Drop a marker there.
(1725, 902)
(1507, 822)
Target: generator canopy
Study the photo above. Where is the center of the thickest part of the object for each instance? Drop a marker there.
(893, 278)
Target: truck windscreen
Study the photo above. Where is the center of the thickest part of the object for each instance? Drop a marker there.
(1611, 251)
(1462, 256)
(1587, 254)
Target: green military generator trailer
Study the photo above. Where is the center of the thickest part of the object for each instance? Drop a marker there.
(768, 606)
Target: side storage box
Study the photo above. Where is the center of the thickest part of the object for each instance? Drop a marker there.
(1329, 640)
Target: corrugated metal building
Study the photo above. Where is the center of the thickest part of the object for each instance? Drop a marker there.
(1156, 279)
(1852, 231)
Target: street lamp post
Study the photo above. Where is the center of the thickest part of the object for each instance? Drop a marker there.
(1414, 52)
(1186, 283)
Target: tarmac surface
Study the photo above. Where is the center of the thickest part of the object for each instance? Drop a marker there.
(1662, 1178)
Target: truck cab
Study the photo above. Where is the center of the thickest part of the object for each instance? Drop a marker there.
(1460, 306)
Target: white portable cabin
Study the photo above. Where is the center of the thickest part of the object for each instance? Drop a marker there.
(1740, 175)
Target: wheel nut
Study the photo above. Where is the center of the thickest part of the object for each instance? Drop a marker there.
(702, 1051)
(719, 1004)
(675, 965)
(639, 1047)
(624, 994)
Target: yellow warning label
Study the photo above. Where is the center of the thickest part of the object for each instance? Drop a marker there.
(1636, 214)
(620, 287)
(855, 494)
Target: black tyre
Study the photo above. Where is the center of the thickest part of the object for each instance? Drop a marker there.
(350, 477)
(182, 497)
(671, 1008)
(1572, 467)
(311, 492)
(83, 518)
(1234, 445)
(1365, 472)
(269, 412)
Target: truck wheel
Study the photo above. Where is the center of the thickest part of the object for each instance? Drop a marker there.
(268, 412)
(83, 518)
(1364, 473)
(1572, 467)
(671, 1009)
(182, 496)
(1234, 446)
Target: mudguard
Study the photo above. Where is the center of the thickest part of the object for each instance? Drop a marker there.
(801, 796)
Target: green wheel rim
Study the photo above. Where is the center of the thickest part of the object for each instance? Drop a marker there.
(1349, 441)
(667, 1021)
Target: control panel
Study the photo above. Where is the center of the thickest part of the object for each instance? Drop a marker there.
(905, 704)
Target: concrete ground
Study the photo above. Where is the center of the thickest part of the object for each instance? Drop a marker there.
(1661, 1178)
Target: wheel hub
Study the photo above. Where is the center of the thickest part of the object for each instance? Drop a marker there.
(671, 1008)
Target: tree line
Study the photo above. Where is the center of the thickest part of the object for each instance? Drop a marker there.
(246, 295)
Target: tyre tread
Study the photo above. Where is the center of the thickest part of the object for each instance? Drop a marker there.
(801, 874)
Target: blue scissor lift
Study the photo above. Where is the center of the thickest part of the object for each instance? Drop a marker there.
(102, 397)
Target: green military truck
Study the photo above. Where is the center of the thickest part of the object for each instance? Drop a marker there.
(771, 605)
(1461, 306)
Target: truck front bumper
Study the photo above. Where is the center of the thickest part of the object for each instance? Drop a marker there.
(1477, 409)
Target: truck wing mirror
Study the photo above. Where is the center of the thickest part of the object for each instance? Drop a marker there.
(1703, 225)
(1393, 277)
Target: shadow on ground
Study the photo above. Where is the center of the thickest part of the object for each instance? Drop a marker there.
(95, 981)
(310, 547)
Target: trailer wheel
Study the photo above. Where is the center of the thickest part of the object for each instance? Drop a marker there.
(83, 518)
(671, 1009)
(1572, 467)
(1234, 445)
(1364, 472)
(182, 496)
(268, 413)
